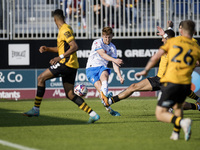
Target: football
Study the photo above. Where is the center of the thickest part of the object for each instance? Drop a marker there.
(80, 90)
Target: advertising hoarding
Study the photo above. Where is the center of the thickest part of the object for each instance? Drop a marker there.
(22, 84)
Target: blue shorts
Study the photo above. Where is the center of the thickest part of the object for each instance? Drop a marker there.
(93, 74)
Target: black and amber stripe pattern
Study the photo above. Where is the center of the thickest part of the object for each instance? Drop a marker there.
(194, 106)
(177, 129)
(113, 101)
(85, 108)
(38, 101)
(193, 95)
(176, 121)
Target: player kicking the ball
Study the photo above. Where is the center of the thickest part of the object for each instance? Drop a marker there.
(97, 71)
(152, 83)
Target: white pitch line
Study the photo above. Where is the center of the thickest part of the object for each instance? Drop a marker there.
(17, 146)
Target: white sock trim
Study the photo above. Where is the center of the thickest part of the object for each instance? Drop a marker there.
(104, 87)
(36, 108)
(92, 114)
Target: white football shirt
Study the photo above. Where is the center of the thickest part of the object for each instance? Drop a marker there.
(95, 60)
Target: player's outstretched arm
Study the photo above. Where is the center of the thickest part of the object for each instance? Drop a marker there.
(118, 62)
(105, 56)
(117, 70)
(48, 49)
(152, 62)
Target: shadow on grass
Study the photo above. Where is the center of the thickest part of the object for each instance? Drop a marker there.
(8, 118)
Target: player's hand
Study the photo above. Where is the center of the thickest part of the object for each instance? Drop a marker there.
(161, 32)
(55, 60)
(142, 73)
(118, 62)
(122, 80)
(43, 49)
(170, 24)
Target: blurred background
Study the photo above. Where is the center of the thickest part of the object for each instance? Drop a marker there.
(32, 19)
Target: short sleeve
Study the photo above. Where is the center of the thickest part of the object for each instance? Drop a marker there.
(97, 45)
(114, 53)
(68, 36)
(166, 46)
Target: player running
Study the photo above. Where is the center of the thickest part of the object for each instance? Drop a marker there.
(183, 53)
(65, 66)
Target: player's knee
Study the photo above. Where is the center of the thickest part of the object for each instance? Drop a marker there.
(40, 78)
(70, 96)
(132, 87)
(157, 116)
(158, 113)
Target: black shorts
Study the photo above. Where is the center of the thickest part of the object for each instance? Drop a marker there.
(155, 83)
(172, 94)
(60, 70)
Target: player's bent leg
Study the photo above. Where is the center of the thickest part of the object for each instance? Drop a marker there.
(162, 114)
(47, 74)
(143, 85)
(80, 102)
(191, 106)
(83, 106)
(98, 85)
(178, 111)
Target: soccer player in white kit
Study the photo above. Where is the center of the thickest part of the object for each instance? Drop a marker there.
(97, 71)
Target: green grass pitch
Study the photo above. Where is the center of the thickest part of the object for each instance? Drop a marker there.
(62, 126)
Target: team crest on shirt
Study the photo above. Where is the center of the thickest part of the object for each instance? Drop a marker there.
(67, 34)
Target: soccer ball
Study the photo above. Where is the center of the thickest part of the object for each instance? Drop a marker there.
(80, 90)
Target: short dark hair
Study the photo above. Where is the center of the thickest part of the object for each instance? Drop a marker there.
(180, 24)
(59, 13)
(170, 33)
(107, 30)
(189, 26)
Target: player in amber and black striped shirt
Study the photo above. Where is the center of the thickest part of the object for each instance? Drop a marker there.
(65, 66)
(183, 54)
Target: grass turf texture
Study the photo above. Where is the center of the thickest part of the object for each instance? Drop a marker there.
(62, 125)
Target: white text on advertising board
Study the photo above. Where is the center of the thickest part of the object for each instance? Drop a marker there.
(12, 77)
(9, 95)
(127, 53)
